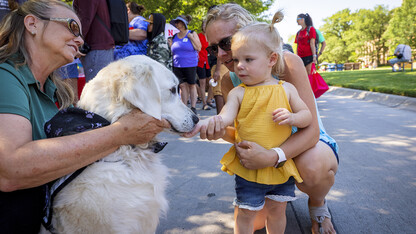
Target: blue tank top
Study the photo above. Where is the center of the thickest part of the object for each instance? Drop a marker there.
(184, 54)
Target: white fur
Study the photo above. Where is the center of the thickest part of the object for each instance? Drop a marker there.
(124, 192)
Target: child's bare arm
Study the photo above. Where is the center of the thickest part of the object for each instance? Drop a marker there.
(301, 116)
(217, 124)
(230, 110)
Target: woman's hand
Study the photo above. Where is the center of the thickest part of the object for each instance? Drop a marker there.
(253, 156)
(140, 128)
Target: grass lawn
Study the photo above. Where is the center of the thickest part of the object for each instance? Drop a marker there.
(381, 80)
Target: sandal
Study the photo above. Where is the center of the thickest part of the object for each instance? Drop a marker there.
(318, 213)
(206, 107)
(212, 105)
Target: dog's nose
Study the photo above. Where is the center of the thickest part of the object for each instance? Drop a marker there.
(195, 119)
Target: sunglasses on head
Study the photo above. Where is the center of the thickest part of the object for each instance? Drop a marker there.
(72, 24)
(224, 44)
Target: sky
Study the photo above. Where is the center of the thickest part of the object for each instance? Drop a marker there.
(319, 10)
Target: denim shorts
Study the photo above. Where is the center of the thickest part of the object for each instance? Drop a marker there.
(252, 196)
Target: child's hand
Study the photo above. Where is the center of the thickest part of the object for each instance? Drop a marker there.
(283, 116)
(212, 128)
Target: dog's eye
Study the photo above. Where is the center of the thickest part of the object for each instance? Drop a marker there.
(173, 90)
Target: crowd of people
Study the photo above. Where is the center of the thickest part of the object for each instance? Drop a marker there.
(45, 36)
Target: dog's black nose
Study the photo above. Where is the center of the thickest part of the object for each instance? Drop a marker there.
(195, 119)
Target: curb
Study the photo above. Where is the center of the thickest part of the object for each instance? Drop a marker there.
(394, 101)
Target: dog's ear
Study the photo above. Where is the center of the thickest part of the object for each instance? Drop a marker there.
(139, 87)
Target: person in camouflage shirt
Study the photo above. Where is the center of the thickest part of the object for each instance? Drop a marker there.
(158, 48)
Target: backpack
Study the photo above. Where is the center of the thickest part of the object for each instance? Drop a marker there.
(118, 20)
(316, 40)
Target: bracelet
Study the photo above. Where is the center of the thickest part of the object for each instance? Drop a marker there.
(281, 157)
(314, 55)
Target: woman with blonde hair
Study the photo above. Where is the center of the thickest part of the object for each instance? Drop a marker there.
(312, 149)
(35, 40)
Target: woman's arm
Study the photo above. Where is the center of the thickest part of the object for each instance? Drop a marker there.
(322, 48)
(25, 163)
(313, 49)
(137, 34)
(304, 138)
(195, 41)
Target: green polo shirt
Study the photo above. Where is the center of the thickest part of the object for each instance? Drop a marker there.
(20, 95)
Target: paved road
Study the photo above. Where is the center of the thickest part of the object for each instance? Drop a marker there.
(375, 187)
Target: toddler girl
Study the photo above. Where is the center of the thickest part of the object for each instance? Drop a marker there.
(263, 109)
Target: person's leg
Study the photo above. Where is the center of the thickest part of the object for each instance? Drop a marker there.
(193, 93)
(202, 86)
(276, 219)
(210, 93)
(317, 167)
(184, 92)
(392, 62)
(308, 68)
(219, 102)
(190, 74)
(244, 220)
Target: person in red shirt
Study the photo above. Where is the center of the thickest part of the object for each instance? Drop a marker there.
(203, 71)
(305, 38)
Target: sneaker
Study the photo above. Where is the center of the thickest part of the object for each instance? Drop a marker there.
(206, 107)
(193, 110)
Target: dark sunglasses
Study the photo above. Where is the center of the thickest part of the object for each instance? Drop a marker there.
(224, 44)
(72, 24)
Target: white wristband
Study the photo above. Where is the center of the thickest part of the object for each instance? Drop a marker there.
(281, 157)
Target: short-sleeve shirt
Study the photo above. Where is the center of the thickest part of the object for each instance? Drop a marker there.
(203, 53)
(319, 35)
(21, 210)
(133, 47)
(303, 41)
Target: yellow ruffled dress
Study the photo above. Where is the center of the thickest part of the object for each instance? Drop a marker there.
(254, 123)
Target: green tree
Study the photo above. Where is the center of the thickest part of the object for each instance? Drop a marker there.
(402, 26)
(366, 34)
(197, 8)
(335, 30)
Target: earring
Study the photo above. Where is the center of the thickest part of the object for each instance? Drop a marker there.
(33, 33)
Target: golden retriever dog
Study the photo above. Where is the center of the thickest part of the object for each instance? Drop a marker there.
(125, 191)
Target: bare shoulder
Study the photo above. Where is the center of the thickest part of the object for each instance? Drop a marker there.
(289, 88)
(236, 92)
(293, 66)
(292, 60)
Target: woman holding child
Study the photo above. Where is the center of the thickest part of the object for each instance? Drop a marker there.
(312, 150)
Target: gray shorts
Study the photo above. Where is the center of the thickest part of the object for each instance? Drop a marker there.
(397, 60)
(95, 60)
